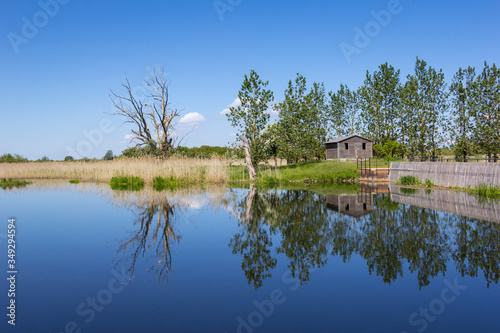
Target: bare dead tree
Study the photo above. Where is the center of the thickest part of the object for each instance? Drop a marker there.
(152, 113)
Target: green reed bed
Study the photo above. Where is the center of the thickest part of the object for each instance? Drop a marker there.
(7, 183)
(127, 183)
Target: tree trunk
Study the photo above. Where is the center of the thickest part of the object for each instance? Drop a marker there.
(248, 157)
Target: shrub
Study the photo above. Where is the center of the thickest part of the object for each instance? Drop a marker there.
(16, 158)
(108, 156)
(160, 183)
(408, 180)
(44, 159)
(429, 183)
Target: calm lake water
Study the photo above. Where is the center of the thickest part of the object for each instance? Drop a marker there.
(326, 259)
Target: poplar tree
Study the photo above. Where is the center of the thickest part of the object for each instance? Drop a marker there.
(345, 108)
(379, 100)
(425, 97)
(463, 92)
(487, 111)
(303, 121)
(251, 118)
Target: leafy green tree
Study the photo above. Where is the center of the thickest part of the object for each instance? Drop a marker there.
(291, 120)
(379, 100)
(108, 156)
(302, 125)
(487, 114)
(345, 109)
(270, 140)
(69, 158)
(251, 117)
(425, 97)
(318, 125)
(463, 92)
(409, 114)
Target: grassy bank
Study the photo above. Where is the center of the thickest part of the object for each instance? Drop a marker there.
(485, 191)
(318, 171)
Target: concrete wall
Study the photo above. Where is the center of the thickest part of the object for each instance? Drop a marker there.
(448, 174)
(458, 203)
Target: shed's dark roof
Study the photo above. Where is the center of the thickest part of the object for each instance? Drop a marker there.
(343, 138)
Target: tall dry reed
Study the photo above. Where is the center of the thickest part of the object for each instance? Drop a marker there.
(212, 170)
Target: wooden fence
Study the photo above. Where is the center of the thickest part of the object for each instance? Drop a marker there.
(448, 174)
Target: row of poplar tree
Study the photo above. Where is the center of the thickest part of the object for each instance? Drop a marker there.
(408, 118)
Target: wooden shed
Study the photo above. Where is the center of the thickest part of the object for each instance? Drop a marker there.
(349, 147)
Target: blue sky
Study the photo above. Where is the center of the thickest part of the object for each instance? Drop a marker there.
(54, 89)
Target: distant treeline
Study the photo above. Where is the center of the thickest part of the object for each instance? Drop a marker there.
(181, 151)
(9, 158)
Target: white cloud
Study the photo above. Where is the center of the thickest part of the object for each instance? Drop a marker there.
(232, 134)
(127, 138)
(234, 104)
(192, 118)
(272, 109)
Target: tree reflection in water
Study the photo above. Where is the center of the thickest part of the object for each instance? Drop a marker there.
(302, 228)
(254, 241)
(155, 234)
(391, 238)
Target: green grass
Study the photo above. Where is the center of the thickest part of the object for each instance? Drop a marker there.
(486, 191)
(75, 181)
(11, 183)
(408, 180)
(318, 171)
(238, 173)
(127, 183)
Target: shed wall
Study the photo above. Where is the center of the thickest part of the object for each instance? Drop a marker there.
(355, 149)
